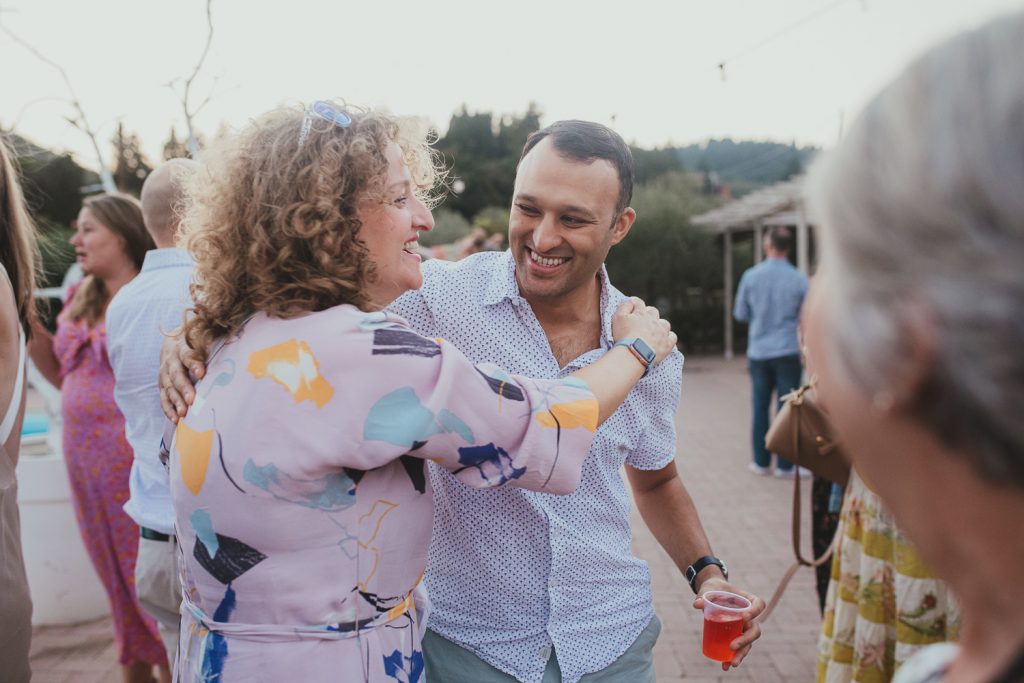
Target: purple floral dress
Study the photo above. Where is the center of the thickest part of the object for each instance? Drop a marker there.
(302, 501)
(99, 459)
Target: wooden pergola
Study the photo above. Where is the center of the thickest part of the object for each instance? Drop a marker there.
(779, 204)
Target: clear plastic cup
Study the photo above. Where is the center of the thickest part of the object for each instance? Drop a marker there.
(724, 618)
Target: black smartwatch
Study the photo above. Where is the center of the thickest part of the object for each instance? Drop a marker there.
(694, 569)
(643, 352)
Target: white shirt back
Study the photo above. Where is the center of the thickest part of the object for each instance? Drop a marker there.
(137, 318)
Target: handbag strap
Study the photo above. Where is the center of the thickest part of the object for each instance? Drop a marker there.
(800, 560)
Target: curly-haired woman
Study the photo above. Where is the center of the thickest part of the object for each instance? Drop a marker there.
(110, 242)
(299, 476)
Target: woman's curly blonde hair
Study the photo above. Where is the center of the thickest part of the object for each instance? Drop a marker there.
(273, 224)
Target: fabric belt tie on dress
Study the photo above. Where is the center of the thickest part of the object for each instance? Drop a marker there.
(276, 632)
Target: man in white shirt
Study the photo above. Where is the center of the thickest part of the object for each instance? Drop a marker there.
(137, 317)
(534, 587)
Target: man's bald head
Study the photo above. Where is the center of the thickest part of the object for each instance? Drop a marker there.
(162, 195)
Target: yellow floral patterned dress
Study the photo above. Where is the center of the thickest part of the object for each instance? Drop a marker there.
(883, 603)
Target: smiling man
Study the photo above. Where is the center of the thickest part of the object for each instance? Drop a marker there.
(534, 587)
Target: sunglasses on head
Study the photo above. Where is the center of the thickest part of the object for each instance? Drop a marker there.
(325, 111)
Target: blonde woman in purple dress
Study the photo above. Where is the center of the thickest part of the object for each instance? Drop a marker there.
(299, 476)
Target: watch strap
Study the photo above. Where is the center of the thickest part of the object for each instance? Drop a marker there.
(628, 342)
(695, 568)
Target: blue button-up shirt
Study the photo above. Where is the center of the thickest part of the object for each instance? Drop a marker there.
(769, 298)
(514, 574)
(138, 315)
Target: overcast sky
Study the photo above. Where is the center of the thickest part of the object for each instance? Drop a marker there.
(646, 66)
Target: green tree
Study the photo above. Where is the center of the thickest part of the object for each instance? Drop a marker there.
(449, 226)
(795, 164)
(513, 131)
(651, 163)
(53, 185)
(175, 148)
(55, 251)
(492, 219)
(130, 164)
(746, 164)
(707, 183)
(483, 153)
(669, 262)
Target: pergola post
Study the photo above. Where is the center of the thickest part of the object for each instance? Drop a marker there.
(727, 237)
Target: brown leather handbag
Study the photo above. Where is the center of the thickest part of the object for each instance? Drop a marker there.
(801, 433)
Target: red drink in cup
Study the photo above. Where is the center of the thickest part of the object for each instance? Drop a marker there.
(723, 623)
(719, 631)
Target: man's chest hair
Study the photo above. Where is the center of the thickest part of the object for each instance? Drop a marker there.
(569, 346)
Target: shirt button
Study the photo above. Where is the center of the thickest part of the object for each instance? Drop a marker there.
(544, 653)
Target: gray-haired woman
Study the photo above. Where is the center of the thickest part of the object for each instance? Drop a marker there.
(916, 327)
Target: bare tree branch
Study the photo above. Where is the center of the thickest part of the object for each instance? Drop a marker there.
(203, 104)
(82, 123)
(25, 108)
(193, 144)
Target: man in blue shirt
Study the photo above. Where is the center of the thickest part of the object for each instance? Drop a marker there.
(769, 298)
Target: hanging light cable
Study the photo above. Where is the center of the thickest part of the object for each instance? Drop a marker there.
(783, 31)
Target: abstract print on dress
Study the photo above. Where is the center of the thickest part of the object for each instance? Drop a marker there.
(302, 498)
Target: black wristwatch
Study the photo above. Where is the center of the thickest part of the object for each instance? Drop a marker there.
(694, 569)
(644, 353)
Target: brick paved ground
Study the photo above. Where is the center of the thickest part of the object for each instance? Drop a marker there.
(746, 517)
(83, 653)
(748, 520)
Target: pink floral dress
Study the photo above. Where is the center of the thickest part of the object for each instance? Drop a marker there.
(99, 459)
(302, 499)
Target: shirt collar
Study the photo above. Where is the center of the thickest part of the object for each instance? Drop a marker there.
(607, 310)
(166, 258)
(503, 287)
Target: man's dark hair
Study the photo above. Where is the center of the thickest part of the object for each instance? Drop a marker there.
(781, 238)
(585, 141)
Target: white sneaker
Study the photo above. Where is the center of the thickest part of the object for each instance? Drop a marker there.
(792, 472)
(758, 470)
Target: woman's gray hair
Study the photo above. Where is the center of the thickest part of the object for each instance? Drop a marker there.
(922, 214)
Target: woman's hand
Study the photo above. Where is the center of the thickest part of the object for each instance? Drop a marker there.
(614, 375)
(636, 319)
